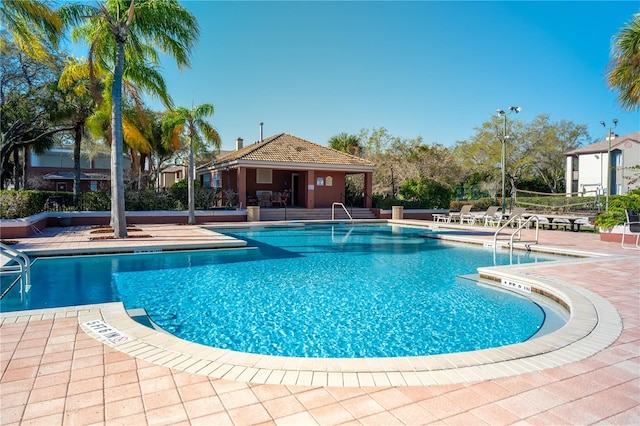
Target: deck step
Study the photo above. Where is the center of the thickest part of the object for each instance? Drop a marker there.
(271, 214)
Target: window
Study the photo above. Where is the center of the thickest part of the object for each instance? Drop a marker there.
(216, 180)
(61, 186)
(264, 176)
(93, 185)
(206, 181)
(320, 181)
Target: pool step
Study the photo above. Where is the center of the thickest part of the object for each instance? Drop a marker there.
(313, 214)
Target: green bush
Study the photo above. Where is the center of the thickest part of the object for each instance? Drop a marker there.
(426, 192)
(617, 206)
(17, 204)
(95, 201)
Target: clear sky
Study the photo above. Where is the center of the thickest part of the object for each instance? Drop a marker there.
(424, 68)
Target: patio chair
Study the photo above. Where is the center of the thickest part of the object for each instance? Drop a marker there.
(491, 216)
(633, 225)
(278, 200)
(265, 199)
(462, 215)
(515, 216)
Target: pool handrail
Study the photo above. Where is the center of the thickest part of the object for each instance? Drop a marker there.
(23, 266)
(333, 211)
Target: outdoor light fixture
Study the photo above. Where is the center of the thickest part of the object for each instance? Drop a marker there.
(609, 167)
(503, 161)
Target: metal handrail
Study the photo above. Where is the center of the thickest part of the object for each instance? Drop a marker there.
(23, 266)
(333, 211)
(517, 231)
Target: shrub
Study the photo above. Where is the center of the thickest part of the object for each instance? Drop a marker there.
(16, 204)
(427, 192)
(617, 206)
(95, 201)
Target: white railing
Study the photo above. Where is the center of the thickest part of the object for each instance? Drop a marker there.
(22, 267)
(333, 211)
(521, 223)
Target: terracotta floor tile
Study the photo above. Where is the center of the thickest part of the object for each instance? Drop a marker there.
(14, 374)
(239, 398)
(50, 392)
(441, 407)
(52, 419)
(267, 392)
(413, 414)
(120, 379)
(464, 419)
(332, 414)
(123, 408)
(390, 398)
(160, 399)
(52, 379)
(86, 385)
(157, 384)
(383, 419)
(120, 366)
(196, 390)
(172, 414)
(85, 416)
(302, 418)
(54, 367)
(362, 406)
(315, 398)
(493, 414)
(44, 408)
(12, 414)
(117, 393)
(218, 419)
(86, 399)
(203, 406)
(283, 406)
(249, 414)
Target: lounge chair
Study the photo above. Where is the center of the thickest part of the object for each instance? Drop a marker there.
(278, 199)
(515, 217)
(462, 215)
(633, 225)
(491, 216)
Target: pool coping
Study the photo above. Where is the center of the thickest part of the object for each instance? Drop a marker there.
(593, 325)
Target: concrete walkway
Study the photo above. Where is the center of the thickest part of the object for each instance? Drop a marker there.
(53, 372)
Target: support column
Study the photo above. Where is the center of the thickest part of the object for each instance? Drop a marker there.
(368, 189)
(310, 191)
(242, 186)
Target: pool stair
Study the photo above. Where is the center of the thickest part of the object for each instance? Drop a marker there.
(296, 213)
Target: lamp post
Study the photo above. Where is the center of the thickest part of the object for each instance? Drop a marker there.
(609, 165)
(503, 158)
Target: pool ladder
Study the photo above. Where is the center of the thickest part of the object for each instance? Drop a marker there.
(517, 233)
(333, 211)
(21, 267)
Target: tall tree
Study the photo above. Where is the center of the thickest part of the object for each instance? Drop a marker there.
(33, 25)
(30, 107)
(190, 126)
(75, 84)
(120, 32)
(624, 68)
(346, 143)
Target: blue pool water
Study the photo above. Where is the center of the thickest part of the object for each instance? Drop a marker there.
(314, 291)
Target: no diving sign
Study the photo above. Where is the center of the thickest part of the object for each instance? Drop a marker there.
(103, 329)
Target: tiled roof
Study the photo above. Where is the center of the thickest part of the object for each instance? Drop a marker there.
(603, 146)
(286, 148)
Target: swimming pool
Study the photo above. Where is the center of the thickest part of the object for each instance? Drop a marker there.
(317, 291)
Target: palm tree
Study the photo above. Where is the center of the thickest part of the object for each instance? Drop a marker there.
(130, 31)
(346, 143)
(191, 125)
(33, 26)
(624, 68)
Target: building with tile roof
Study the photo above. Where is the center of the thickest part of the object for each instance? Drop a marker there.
(305, 173)
(587, 167)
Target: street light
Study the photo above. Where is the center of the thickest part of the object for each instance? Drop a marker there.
(503, 160)
(609, 165)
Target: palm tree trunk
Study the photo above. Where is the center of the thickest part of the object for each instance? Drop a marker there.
(118, 217)
(190, 188)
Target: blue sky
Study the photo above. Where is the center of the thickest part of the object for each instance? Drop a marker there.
(423, 68)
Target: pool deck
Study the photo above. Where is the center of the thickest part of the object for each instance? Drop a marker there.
(55, 372)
